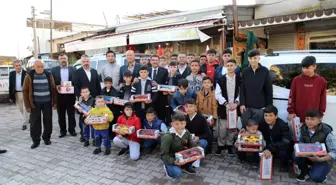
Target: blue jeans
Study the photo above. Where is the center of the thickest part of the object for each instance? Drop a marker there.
(176, 171)
(151, 143)
(87, 131)
(103, 135)
(203, 143)
(319, 170)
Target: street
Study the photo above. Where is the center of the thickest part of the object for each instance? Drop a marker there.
(66, 161)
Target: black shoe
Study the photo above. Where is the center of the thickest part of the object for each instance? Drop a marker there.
(219, 150)
(97, 151)
(24, 127)
(190, 170)
(302, 177)
(34, 145)
(107, 152)
(149, 150)
(122, 152)
(81, 139)
(94, 142)
(3, 151)
(47, 142)
(73, 133)
(62, 134)
(86, 143)
(229, 151)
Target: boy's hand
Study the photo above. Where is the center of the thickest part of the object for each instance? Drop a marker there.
(120, 136)
(171, 93)
(267, 154)
(165, 93)
(176, 163)
(148, 101)
(132, 101)
(135, 80)
(242, 130)
(291, 116)
(315, 158)
(233, 106)
(80, 99)
(196, 139)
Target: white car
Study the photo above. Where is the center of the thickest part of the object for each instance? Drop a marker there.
(285, 65)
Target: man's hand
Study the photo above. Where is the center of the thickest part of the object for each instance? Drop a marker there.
(148, 101)
(291, 116)
(11, 101)
(315, 158)
(28, 110)
(196, 139)
(267, 154)
(54, 106)
(242, 108)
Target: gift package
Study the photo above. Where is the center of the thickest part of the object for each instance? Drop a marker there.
(189, 155)
(166, 88)
(250, 142)
(123, 129)
(180, 108)
(96, 120)
(66, 88)
(310, 149)
(115, 100)
(209, 119)
(232, 119)
(148, 133)
(295, 126)
(108, 99)
(86, 109)
(266, 167)
(140, 97)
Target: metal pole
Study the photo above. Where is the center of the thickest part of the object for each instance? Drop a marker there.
(51, 28)
(34, 30)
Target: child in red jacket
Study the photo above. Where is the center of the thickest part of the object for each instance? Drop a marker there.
(129, 142)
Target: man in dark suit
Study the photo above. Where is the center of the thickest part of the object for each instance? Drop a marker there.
(131, 66)
(160, 76)
(16, 79)
(86, 77)
(65, 102)
(183, 67)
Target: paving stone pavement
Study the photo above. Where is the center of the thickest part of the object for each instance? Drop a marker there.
(67, 162)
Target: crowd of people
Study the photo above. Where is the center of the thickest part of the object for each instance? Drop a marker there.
(205, 87)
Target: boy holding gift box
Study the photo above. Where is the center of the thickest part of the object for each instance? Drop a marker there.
(109, 90)
(101, 130)
(144, 86)
(176, 140)
(129, 142)
(183, 93)
(276, 134)
(227, 95)
(153, 122)
(86, 130)
(314, 131)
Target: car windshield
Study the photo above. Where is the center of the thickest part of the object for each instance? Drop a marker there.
(48, 64)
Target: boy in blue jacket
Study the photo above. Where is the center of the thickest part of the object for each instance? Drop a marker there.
(184, 93)
(153, 122)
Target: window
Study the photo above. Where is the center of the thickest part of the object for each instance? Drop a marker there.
(101, 64)
(283, 74)
(93, 64)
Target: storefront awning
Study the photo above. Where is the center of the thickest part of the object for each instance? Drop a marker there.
(106, 42)
(286, 19)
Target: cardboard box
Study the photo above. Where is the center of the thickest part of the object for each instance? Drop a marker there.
(118, 101)
(232, 119)
(108, 99)
(166, 88)
(295, 126)
(140, 97)
(66, 89)
(189, 155)
(148, 133)
(66, 83)
(180, 108)
(310, 149)
(96, 120)
(123, 129)
(266, 167)
(86, 109)
(250, 142)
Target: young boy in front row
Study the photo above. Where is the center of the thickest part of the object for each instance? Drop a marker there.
(86, 131)
(153, 122)
(101, 130)
(182, 94)
(129, 142)
(176, 140)
(276, 134)
(144, 86)
(312, 132)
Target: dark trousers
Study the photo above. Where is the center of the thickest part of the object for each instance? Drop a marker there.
(251, 113)
(251, 157)
(65, 105)
(102, 136)
(141, 114)
(160, 106)
(88, 131)
(36, 126)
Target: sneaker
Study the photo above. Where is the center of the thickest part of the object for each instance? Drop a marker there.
(34, 145)
(190, 170)
(229, 151)
(219, 151)
(166, 171)
(302, 177)
(86, 143)
(122, 152)
(24, 127)
(107, 152)
(47, 142)
(97, 151)
(81, 139)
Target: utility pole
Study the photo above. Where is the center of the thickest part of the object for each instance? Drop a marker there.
(34, 30)
(51, 28)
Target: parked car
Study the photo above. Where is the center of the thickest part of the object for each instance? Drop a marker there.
(4, 81)
(48, 64)
(285, 65)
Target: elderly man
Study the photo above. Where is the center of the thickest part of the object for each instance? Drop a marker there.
(131, 66)
(112, 69)
(39, 94)
(16, 79)
(65, 102)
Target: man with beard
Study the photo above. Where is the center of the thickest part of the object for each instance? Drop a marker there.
(65, 102)
(130, 66)
(183, 67)
(112, 69)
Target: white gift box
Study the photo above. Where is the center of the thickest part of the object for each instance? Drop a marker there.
(148, 133)
(66, 89)
(118, 101)
(166, 88)
(295, 126)
(123, 129)
(66, 83)
(86, 109)
(266, 167)
(97, 120)
(189, 155)
(232, 119)
(140, 97)
(310, 149)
